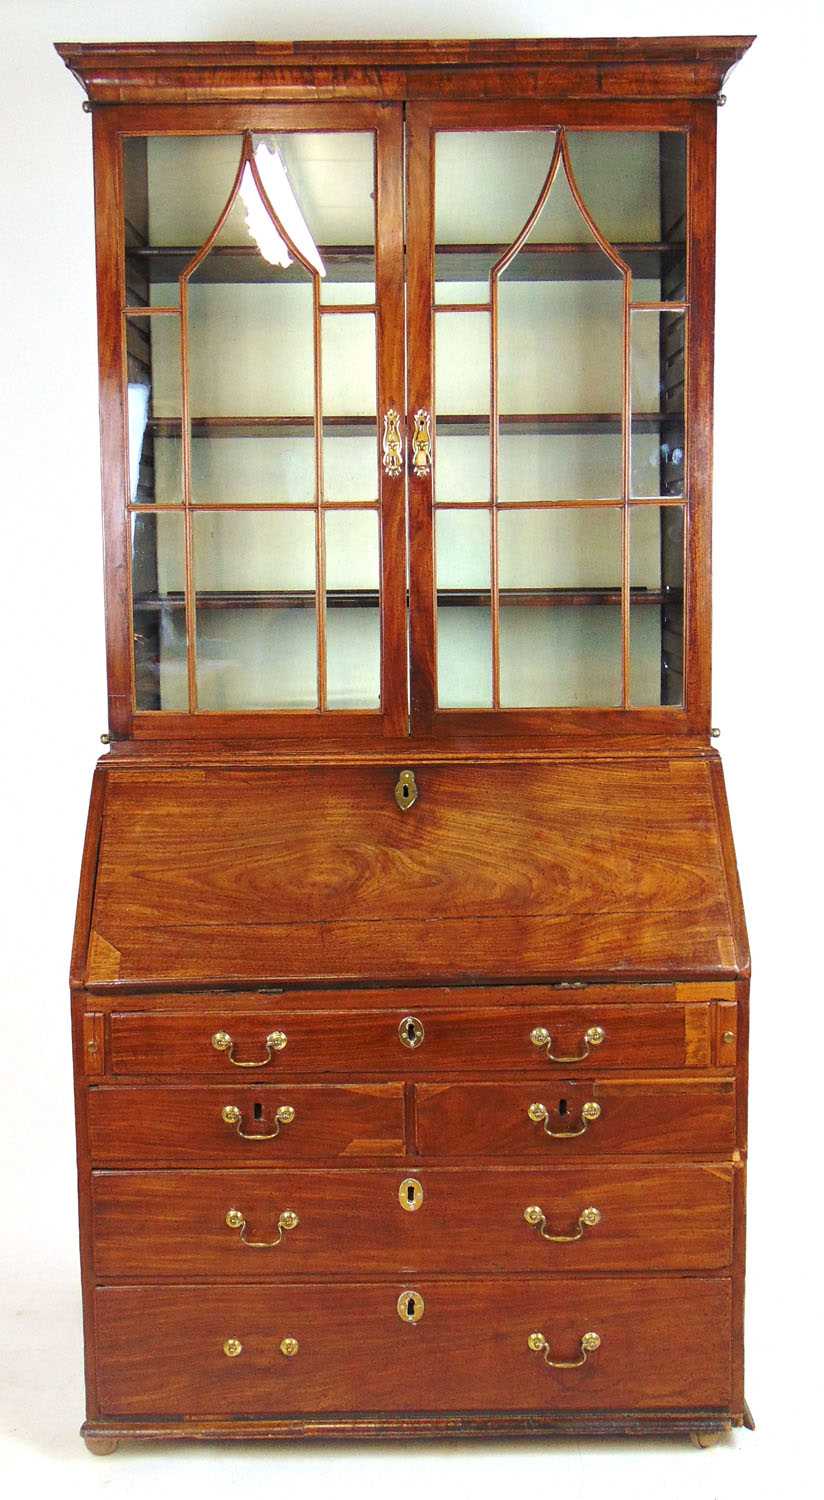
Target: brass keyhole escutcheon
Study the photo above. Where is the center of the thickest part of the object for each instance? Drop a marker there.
(410, 1194)
(406, 790)
(410, 1307)
(411, 1031)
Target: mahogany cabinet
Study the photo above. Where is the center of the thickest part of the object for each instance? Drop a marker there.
(410, 973)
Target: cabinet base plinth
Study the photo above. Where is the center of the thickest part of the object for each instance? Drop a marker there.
(704, 1428)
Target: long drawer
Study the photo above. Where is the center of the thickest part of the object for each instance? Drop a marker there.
(203, 1351)
(244, 1125)
(272, 1040)
(563, 1118)
(280, 1222)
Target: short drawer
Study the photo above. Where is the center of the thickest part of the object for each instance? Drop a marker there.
(563, 1118)
(410, 1038)
(245, 1225)
(244, 1125)
(222, 1350)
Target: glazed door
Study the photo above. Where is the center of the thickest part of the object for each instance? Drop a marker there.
(556, 495)
(258, 268)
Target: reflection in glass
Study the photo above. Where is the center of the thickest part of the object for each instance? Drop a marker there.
(159, 615)
(256, 609)
(462, 373)
(464, 620)
(657, 365)
(657, 622)
(353, 641)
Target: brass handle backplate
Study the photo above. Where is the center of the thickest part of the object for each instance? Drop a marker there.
(422, 443)
(539, 1115)
(540, 1345)
(231, 1115)
(392, 444)
(275, 1042)
(236, 1220)
(540, 1037)
(406, 790)
(587, 1219)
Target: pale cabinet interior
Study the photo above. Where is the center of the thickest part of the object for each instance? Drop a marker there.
(546, 526)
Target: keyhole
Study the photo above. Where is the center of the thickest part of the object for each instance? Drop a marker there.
(258, 1111)
(405, 792)
(410, 1193)
(410, 1307)
(562, 1106)
(410, 1025)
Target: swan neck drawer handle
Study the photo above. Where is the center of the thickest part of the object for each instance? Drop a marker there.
(540, 1345)
(275, 1042)
(539, 1115)
(236, 1220)
(593, 1037)
(587, 1219)
(231, 1115)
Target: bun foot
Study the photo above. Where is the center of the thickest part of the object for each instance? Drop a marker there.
(101, 1446)
(707, 1439)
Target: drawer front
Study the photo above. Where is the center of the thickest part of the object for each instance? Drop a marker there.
(441, 1219)
(664, 1343)
(586, 1117)
(411, 1038)
(155, 1126)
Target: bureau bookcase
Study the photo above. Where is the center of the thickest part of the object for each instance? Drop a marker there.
(410, 973)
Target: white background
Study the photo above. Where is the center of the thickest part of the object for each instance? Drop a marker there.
(768, 663)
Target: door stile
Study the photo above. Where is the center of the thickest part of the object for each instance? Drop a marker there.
(389, 296)
(420, 233)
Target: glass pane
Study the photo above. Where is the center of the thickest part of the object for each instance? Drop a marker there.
(657, 362)
(560, 549)
(462, 551)
(486, 182)
(560, 356)
(350, 405)
(256, 616)
(462, 397)
(353, 638)
(153, 406)
(560, 581)
(561, 657)
(159, 615)
(657, 608)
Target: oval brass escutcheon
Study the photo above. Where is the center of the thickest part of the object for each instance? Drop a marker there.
(406, 790)
(410, 1307)
(411, 1031)
(410, 1194)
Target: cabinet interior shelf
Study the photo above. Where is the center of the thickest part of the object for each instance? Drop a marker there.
(368, 598)
(468, 424)
(534, 262)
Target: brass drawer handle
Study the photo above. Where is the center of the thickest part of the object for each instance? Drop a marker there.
(231, 1115)
(540, 1037)
(589, 1343)
(275, 1042)
(287, 1220)
(587, 1219)
(233, 1347)
(539, 1114)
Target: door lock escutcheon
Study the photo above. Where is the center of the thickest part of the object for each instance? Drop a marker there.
(411, 1032)
(406, 790)
(410, 1194)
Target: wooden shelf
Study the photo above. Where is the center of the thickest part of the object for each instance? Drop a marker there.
(369, 599)
(467, 424)
(534, 262)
